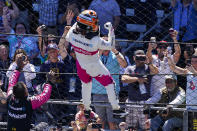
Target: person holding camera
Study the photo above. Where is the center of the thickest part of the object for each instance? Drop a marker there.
(20, 106)
(28, 71)
(43, 42)
(173, 96)
(160, 60)
(82, 120)
(138, 77)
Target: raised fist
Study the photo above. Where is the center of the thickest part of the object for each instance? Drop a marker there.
(108, 26)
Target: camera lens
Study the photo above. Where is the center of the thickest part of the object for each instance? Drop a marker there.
(23, 58)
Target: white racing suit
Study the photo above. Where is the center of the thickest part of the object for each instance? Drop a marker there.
(89, 64)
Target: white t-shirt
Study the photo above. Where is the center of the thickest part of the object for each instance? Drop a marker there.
(191, 91)
(28, 76)
(158, 81)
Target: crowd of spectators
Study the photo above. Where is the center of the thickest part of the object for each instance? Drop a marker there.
(153, 76)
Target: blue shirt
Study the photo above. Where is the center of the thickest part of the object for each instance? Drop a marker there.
(106, 10)
(113, 66)
(27, 43)
(191, 32)
(181, 15)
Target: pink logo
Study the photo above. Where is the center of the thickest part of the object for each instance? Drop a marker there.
(192, 86)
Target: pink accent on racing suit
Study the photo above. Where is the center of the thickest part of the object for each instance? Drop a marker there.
(85, 52)
(86, 78)
(12, 81)
(37, 100)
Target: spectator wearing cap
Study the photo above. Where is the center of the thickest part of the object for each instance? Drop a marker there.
(161, 62)
(107, 11)
(191, 72)
(56, 65)
(191, 90)
(113, 60)
(60, 90)
(138, 78)
(172, 95)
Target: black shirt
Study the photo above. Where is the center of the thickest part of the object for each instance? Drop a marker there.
(19, 114)
(60, 87)
(72, 69)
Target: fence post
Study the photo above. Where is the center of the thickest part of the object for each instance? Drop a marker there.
(185, 120)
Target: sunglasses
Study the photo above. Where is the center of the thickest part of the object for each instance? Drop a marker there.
(52, 41)
(140, 58)
(20, 28)
(169, 81)
(160, 47)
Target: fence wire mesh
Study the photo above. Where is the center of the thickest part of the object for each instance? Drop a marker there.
(153, 65)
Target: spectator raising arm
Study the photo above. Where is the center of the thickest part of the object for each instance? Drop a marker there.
(15, 11)
(6, 23)
(153, 69)
(63, 44)
(175, 68)
(149, 52)
(40, 40)
(68, 17)
(120, 58)
(177, 47)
